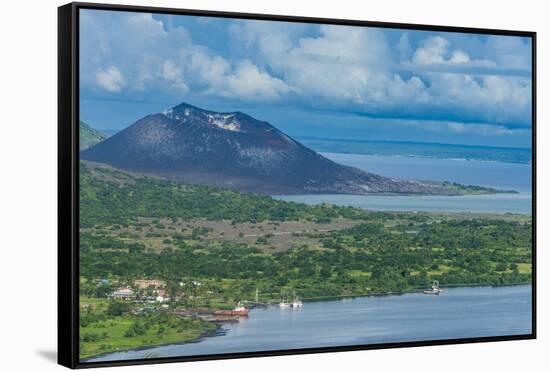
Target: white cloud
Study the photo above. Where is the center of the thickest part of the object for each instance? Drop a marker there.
(340, 64)
(172, 73)
(153, 57)
(436, 50)
(494, 99)
(249, 81)
(239, 80)
(432, 51)
(509, 51)
(111, 79)
(458, 56)
(356, 69)
(353, 68)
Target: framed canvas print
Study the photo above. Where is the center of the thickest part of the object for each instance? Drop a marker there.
(238, 185)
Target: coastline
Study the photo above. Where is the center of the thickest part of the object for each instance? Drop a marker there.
(219, 331)
(415, 290)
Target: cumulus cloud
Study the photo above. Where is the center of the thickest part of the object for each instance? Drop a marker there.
(432, 51)
(249, 81)
(173, 74)
(354, 69)
(458, 56)
(340, 65)
(239, 80)
(156, 58)
(110, 79)
(425, 76)
(436, 50)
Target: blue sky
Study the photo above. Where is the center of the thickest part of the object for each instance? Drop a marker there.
(316, 80)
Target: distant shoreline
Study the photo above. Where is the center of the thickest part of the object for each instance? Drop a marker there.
(219, 331)
(427, 150)
(307, 137)
(416, 290)
(400, 155)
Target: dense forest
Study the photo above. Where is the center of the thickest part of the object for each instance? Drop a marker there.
(114, 197)
(382, 252)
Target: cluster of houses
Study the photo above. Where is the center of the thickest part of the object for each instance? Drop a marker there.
(150, 291)
(143, 290)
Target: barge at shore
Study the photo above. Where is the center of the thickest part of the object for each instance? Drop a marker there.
(239, 310)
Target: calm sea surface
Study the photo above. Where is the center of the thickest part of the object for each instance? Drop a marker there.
(457, 313)
(500, 175)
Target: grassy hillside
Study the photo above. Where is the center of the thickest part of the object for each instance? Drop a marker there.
(133, 226)
(89, 136)
(109, 196)
(233, 243)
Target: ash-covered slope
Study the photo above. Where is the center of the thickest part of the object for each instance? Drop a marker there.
(234, 150)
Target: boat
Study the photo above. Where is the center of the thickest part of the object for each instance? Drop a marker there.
(283, 304)
(239, 310)
(297, 303)
(435, 290)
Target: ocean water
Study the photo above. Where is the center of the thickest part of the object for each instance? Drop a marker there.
(500, 175)
(416, 149)
(463, 312)
(493, 204)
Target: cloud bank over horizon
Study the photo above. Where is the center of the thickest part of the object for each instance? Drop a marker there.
(429, 84)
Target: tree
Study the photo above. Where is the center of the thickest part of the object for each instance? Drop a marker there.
(118, 308)
(325, 272)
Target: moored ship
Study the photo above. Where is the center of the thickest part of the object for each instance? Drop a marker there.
(283, 304)
(297, 303)
(239, 310)
(435, 290)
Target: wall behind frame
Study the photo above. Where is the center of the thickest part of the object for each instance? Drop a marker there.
(28, 156)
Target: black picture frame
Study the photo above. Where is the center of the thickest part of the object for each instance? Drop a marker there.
(68, 182)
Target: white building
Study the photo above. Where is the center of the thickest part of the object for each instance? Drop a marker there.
(125, 293)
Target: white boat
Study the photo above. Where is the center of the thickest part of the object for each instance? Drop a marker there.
(239, 308)
(283, 304)
(435, 290)
(297, 303)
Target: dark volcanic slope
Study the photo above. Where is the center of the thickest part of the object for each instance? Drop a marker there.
(234, 150)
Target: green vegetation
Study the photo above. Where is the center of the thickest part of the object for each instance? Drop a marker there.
(89, 136)
(102, 330)
(233, 243)
(113, 197)
(397, 257)
(473, 189)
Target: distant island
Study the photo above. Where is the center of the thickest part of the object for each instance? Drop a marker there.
(450, 151)
(234, 150)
